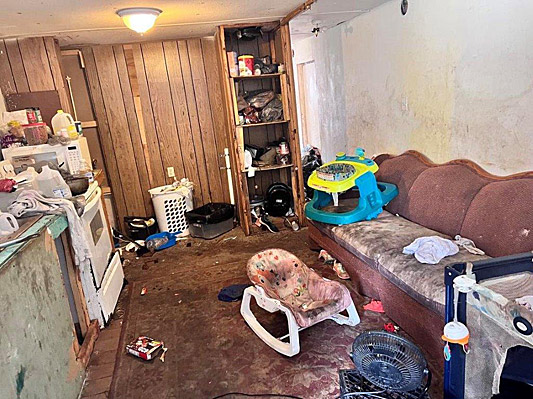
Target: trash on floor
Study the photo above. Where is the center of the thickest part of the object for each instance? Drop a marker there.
(138, 227)
(162, 357)
(144, 290)
(139, 247)
(326, 257)
(374, 306)
(232, 293)
(160, 241)
(338, 268)
(341, 271)
(147, 264)
(145, 347)
(390, 327)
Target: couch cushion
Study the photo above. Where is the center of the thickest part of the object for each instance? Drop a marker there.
(379, 244)
(369, 239)
(424, 283)
(440, 197)
(500, 217)
(401, 171)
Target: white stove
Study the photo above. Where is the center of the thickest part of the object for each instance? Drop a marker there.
(106, 270)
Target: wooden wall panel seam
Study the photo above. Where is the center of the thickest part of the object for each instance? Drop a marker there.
(17, 66)
(178, 138)
(160, 100)
(54, 60)
(36, 64)
(152, 142)
(181, 113)
(218, 149)
(115, 108)
(194, 119)
(205, 117)
(133, 127)
(7, 81)
(95, 90)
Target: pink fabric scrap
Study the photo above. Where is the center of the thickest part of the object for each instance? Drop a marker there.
(7, 185)
(374, 306)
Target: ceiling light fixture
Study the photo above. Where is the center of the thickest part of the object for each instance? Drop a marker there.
(139, 19)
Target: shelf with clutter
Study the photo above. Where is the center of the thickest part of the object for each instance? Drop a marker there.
(257, 78)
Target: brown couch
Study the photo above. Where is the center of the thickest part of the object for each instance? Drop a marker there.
(445, 200)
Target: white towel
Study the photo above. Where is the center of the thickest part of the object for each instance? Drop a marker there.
(431, 249)
(27, 204)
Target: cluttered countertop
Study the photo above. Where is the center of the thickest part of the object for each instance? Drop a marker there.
(45, 174)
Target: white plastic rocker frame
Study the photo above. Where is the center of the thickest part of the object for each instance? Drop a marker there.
(292, 347)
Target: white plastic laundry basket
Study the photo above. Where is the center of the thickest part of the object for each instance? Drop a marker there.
(170, 205)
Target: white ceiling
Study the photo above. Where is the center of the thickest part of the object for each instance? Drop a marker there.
(327, 14)
(95, 22)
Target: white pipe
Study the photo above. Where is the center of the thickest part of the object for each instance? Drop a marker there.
(72, 98)
(230, 180)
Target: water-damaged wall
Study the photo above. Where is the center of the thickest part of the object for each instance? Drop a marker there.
(452, 79)
(37, 358)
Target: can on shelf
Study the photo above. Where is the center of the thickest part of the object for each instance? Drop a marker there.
(246, 65)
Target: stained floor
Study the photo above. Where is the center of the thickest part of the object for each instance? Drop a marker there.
(211, 350)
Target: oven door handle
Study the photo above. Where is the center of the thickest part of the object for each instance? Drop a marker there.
(93, 201)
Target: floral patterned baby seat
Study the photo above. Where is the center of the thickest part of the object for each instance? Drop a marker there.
(286, 278)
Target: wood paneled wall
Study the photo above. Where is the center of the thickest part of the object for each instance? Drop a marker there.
(32, 64)
(159, 105)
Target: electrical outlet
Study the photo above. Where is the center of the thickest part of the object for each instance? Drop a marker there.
(170, 171)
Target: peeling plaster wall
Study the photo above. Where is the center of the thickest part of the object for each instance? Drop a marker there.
(327, 52)
(451, 79)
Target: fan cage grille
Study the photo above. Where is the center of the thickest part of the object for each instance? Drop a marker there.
(388, 361)
(352, 382)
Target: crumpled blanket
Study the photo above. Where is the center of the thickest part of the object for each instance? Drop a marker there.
(431, 249)
(31, 201)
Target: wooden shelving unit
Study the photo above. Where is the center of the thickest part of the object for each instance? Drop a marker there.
(275, 42)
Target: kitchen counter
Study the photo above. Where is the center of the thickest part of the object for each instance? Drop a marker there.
(56, 224)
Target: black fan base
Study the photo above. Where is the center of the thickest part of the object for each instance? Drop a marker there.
(352, 382)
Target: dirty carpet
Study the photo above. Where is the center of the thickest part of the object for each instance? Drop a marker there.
(211, 349)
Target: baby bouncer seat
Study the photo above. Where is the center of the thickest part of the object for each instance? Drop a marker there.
(282, 282)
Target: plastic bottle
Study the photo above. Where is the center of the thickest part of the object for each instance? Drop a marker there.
(28, 177)
(62, 122)
(155, 243)
(51, 184)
